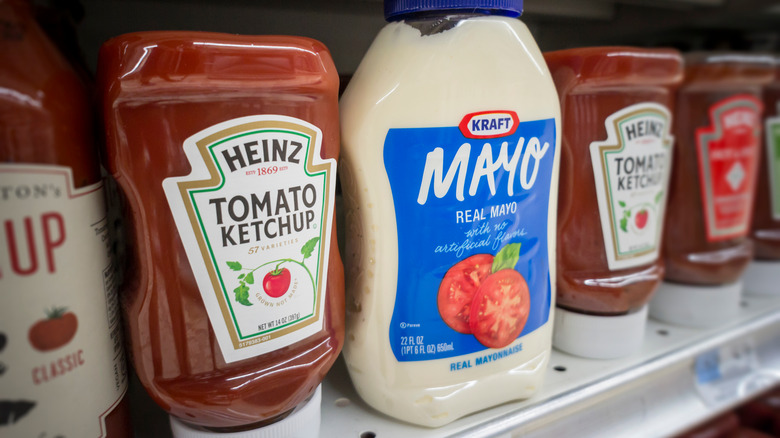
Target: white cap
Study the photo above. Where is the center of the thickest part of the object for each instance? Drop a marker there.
(762, 278)
(599, 337)
(303, 422)
(696, 306)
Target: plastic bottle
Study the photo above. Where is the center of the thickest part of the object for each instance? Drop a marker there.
(62, 364)
(718, 130)
(616, 105)
(450, 144)
(224, 148)
(762, 276)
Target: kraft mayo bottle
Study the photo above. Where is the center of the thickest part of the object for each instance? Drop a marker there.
(450, 168)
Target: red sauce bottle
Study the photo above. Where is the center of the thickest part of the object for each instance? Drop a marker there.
(718, 130)
(224, 148)
(763, 273)
(616, 112)
(60, 333)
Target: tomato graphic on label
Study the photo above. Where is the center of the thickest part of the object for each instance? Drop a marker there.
(640, 220)
(56, 330)
(485, 296)
(457, 289)
(277, 282)
(500, 309)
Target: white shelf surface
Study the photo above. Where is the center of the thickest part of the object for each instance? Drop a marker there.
(681, 377)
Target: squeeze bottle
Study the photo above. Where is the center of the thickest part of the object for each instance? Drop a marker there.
(450, 139)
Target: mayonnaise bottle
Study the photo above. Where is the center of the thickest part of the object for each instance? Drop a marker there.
(450, 167)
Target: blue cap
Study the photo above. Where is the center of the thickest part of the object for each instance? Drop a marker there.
(396, 9)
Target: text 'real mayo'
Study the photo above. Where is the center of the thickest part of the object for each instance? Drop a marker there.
(450, 168)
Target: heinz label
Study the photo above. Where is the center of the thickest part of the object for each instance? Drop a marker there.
(60, 333)
(728, 153)
(254, 216)
(631, 170)
(471, 206)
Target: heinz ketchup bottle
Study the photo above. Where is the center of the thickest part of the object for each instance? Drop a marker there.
(62, 366)
(224, 148)
(707, 245)
(616, 104)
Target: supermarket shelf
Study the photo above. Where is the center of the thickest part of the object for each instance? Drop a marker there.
(680, 378)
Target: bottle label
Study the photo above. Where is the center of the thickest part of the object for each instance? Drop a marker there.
(254, 216)
(631, 169)
(728, 153)
(773, 163)
(60, 332)
(471, 208)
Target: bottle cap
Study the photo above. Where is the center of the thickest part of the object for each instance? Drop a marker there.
(762, 278)
(397, 9)
(599, 337)
(303, 422)
(696, 306)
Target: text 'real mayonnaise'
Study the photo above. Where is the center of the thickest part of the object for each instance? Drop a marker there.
(450, 167)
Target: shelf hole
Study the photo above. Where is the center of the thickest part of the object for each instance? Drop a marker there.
(342, 402)
(559, 368)
(743, 303)
(663, 332)
(368, 434)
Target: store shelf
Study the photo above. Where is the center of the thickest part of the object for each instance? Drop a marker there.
(656, 392)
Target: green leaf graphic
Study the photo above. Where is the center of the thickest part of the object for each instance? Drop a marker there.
(624, 224)
(622, 204)
(234, 266)
(242, 294)
(241, 276)
(308, 248)
(659, 196)
(507, 258)
(250, 278)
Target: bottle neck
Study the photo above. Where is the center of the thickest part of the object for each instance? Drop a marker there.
(431, 24)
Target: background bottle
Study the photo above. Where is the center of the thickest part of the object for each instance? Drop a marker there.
(616, 105)
(718, 128)
(62, 366)
(763, 273)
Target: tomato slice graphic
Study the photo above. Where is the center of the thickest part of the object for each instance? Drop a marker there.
(500, 308)
(458, 287)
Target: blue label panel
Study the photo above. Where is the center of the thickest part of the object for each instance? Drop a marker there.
(469, 212)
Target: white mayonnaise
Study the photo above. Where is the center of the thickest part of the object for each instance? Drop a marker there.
(407, 80)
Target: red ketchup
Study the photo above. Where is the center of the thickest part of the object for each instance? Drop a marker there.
(616, 106)
(60, 332)
(224, 148)
(718, 127)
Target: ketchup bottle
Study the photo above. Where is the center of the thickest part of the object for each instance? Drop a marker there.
(224, 148)
(718, 126)
(62, 366)
(763, 273)
(616, 105)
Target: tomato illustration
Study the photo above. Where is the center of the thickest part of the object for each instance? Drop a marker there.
(457, 289)
(56, 330)
(500, 308)
(640, 220)
(276, 282)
